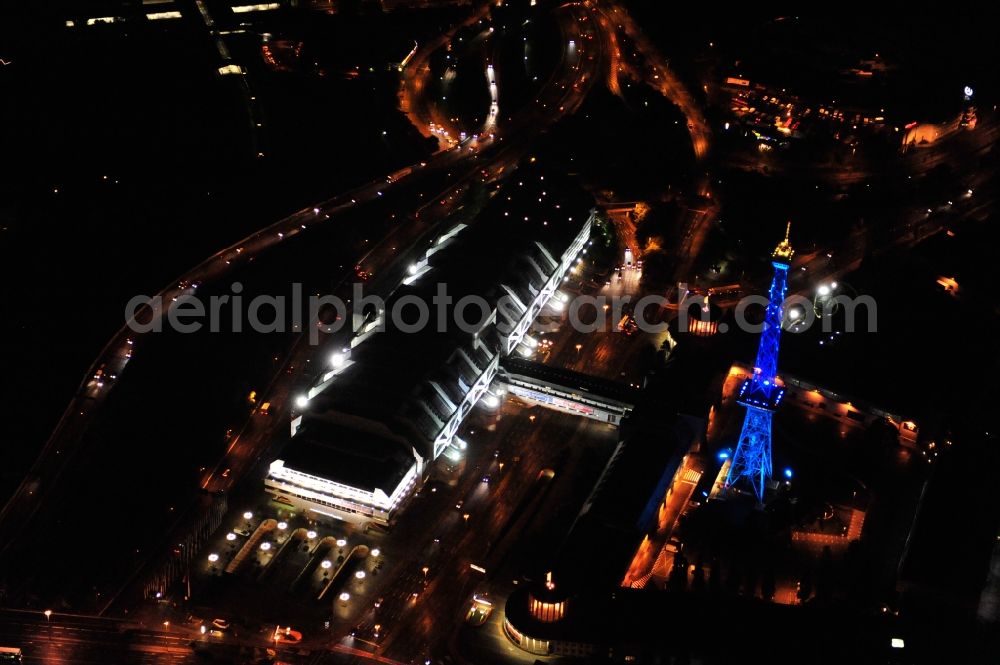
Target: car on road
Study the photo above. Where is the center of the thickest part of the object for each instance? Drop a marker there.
(479, 612)
(287, 635)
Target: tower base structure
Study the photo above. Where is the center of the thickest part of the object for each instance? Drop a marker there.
(752, 460)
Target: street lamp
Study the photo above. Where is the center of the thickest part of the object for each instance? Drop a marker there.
(48, 615)
(826, 302)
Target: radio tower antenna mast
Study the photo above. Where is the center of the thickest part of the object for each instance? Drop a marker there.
(761, 394)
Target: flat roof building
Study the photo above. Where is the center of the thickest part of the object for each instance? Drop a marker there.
(353, 469)
(395, 399)
(578, 609)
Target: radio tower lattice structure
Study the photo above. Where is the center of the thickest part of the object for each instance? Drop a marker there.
(761, 394)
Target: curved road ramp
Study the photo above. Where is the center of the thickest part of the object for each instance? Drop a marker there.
(359, 551)
(321, 552)
(266, 527)
(294, 540)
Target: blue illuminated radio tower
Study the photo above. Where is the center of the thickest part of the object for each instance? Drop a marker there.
(760, 394)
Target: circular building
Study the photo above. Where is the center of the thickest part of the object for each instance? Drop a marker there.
(535, 619)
